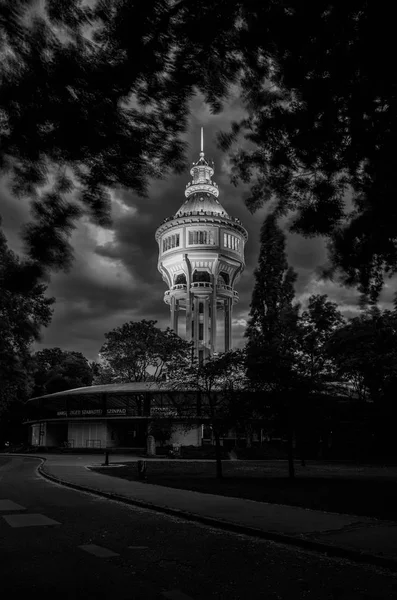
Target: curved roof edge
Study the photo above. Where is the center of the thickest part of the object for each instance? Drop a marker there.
(113, 388)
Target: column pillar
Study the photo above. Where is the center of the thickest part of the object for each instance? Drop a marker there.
(189, 299)
(196, 325)
(228, 323)
(212, 300)
(206, 326)
(174, 308)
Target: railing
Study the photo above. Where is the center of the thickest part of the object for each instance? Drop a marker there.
(179, 286)
(224, 286)
(201, 284)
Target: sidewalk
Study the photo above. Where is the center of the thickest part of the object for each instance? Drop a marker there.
(358, 538)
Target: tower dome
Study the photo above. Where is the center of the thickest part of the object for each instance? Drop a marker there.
(201, 202)
(201, 258)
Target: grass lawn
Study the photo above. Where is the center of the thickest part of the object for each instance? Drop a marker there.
(359, 490)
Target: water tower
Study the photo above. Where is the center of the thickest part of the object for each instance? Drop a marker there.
(201, 258)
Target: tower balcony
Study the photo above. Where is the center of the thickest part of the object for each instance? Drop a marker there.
(177, 291)
(226, 291)
(201, 287)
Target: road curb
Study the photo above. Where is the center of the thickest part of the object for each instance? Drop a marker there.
(327, 549)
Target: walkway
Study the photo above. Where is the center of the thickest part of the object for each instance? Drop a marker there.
(361, 539)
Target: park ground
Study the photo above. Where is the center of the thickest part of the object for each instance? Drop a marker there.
(343, 488)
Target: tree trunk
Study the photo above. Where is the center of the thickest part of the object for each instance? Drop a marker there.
(218, 455)
(290, 447)
(248, 433)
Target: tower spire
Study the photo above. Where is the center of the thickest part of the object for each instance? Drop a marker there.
(202, 140)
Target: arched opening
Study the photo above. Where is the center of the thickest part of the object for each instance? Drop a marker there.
(224, 277)
(201, 276)
(181, 278)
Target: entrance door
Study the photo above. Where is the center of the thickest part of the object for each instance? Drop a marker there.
(132, 434)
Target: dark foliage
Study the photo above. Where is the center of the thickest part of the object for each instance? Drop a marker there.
(314, 78)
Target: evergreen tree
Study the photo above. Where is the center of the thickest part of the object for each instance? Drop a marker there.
(272, 323)
(272, 331)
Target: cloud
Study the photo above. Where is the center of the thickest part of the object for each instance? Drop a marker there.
(114, 278)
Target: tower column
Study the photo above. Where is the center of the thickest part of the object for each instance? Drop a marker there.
(174, 309)
(189, 298)
(206, 327)
(213, 316)
(196, 326)
(228, 323)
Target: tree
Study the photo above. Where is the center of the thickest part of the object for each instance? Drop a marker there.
(57, 370)
(317, 325)
(24, 309)
(103, 374)
(272, 319)
(140, 351)
(365, 353)
(81, 110)
(220, 383)
(272, 327)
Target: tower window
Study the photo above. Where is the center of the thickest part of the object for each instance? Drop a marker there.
(202, 237)
(201, 331)
(231, 241)
(201, 276)
(201, 307)
(172, 241)
(181, 278)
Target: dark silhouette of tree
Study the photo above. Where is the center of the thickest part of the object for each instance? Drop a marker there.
(57, 370)
(272, 329)
(220, 383)
(79, 110)
(317, 325)
(140, 351)
(365, 353)
(24, 310)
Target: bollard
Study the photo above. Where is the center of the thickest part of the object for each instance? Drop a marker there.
(142, 469)
(106, 464)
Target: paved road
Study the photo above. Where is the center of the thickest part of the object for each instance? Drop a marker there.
(66, 544)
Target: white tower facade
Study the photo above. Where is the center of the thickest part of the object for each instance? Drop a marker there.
(201, 258)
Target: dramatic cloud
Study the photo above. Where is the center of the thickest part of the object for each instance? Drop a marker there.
(114, 278)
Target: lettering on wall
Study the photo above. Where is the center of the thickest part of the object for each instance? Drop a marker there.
(116, 411)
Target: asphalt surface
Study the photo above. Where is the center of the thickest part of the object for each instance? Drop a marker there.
(152, 555)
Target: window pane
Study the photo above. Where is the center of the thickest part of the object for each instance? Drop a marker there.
(211, 238)
(177, 239)
(190, 237)
(201, 331)
(225, 240)
(229, 241)
(195, 237)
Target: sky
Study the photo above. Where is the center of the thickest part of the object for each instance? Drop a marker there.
(114, 278)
